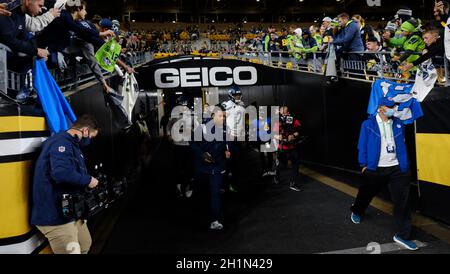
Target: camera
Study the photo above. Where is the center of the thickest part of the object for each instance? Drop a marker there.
(90, 202)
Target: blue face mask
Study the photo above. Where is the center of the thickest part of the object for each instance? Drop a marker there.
(389, 113)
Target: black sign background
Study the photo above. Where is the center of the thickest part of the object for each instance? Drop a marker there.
(266, 75)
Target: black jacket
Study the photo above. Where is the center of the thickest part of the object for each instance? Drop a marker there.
(14, 34)
(57, 35)
(436, 49)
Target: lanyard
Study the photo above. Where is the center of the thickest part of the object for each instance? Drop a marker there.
(385, 131)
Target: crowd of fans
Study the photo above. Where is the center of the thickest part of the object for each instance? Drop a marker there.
(60, 33)
(403, 43)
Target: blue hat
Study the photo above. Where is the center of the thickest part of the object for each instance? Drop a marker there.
(385, 101)
(234, 90)
(106, 23)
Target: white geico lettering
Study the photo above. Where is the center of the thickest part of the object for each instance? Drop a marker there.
(374, 3)
(201, 77)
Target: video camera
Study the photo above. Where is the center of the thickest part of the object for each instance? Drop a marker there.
(90, 202)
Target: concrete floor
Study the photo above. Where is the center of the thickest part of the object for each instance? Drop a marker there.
(262, 218)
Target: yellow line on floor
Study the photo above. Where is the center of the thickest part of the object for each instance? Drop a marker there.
(439, 231)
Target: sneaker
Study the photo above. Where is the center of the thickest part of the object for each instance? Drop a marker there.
(216, 226)
(276, 180)
(293, 187)
(23, 95)
(231, 188)
(272, 173)
(179, 192)
(188, 192)
(405, 243)
(356, 219)
(266, 174)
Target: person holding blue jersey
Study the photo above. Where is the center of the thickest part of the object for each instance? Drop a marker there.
(60, 169)
(384, 161)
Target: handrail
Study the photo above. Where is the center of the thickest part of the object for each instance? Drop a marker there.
(68, 79)
(357, 70)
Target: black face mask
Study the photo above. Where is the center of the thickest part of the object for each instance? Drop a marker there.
(85, 141)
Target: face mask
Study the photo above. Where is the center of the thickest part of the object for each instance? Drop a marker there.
(85, 141)
(389, 113)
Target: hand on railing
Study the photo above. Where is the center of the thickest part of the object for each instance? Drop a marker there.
(3, 11)
(43, 53)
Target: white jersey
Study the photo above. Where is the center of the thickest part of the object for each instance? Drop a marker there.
(235, 118)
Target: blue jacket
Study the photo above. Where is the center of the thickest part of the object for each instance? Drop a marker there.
(349, 38)
(14, 34)
(57, 35)
(60, 169)
(370, 144)
(216, 149)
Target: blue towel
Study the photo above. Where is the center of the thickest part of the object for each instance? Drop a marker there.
(58, 112)
(400, 94)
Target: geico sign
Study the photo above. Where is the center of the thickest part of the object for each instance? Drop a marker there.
(204, 77)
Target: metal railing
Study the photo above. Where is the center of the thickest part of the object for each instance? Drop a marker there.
(373, 65)
(68, 79)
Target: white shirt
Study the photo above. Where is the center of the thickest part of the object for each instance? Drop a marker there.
(447, 40)
(235, 118)
(387, 144)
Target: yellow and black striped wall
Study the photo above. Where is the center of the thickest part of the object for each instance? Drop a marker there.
(433, 154)
(22, 131)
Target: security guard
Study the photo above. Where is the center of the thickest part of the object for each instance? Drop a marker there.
(383, 158)
(60, 169)
(288, 135)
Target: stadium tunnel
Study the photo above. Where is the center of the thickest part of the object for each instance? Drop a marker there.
(261, 217)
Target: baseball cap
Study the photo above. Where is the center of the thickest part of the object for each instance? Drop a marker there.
(327, 19)
(106, 23)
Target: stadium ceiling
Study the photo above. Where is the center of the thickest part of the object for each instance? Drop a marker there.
(274, 7)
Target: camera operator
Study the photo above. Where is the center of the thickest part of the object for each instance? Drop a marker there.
(61, 169)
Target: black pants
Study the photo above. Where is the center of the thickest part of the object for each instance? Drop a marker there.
(285, 157)
(266, 158)
(183, 165)
(399, 186)
(234, 165)
(266, 161)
